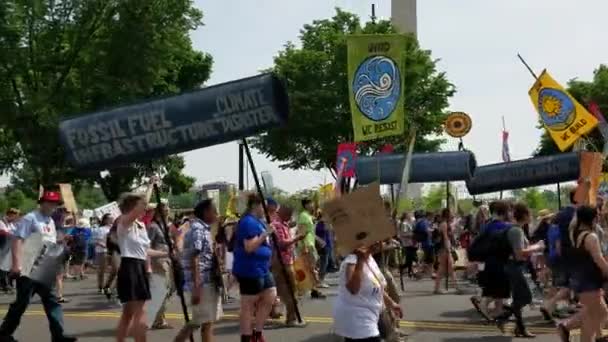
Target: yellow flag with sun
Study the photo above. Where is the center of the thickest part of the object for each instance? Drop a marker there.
(565, 119)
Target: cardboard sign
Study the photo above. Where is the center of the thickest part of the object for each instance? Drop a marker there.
(68, 198)
(589, 179)
(160, 127)
(359, 219)
(110, 208)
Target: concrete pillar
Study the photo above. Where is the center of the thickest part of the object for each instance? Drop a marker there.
(403, 16)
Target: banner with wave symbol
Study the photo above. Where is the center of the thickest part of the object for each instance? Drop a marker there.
(375, 84)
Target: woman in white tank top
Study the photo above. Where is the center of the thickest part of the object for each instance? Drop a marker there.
(132, 283)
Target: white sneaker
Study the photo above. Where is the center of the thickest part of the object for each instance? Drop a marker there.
(324, 285)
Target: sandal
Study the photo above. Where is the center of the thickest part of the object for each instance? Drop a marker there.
(476, 303)
(546, 315)
(162, 326)
(523, 333)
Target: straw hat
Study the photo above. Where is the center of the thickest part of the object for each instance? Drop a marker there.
(544, 214)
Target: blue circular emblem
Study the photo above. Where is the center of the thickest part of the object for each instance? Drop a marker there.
(377, 87)
(556, 109)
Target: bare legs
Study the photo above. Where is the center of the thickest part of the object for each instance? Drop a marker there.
(132, 320)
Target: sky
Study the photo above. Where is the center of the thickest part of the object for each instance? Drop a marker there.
(475, 41)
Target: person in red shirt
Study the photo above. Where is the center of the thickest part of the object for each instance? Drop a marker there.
(286, 245)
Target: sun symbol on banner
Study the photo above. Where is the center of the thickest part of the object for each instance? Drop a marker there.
(377, 87)
(556, 108)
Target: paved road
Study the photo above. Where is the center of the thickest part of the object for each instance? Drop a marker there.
(447, 318)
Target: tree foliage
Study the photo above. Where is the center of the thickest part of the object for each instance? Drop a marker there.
(584, 92)
(316, 76)
(66, 57)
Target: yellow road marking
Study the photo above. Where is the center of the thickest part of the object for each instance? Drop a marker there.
(416, 325)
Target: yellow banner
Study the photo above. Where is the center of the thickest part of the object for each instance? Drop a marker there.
(375, 84)
(563, 117)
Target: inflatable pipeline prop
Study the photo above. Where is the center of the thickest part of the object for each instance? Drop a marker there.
(425, 168)
(160, 127)
(461, 166)
(525, 173)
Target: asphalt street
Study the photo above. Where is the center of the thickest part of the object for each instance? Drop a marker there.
(448, 318)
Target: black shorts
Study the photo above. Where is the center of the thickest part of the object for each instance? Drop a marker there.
(560, 275)
(255, 286)
(132, 282)
(429, 255)
(78, 257)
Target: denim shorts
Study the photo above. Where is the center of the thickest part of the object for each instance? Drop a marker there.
(255, 286)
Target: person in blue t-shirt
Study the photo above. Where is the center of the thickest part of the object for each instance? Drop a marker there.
(252, 254)
(422, 236)
(560, 269)
(493, 279)
(81, 234)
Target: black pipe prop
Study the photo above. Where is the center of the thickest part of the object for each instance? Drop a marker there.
(426, 167)
(165, 126)
(525, 173)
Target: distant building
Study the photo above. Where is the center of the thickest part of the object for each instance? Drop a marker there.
(223, 187)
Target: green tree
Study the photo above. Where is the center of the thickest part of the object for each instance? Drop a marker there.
(90, 197)
(185, 200)
(584, 92)
(435, 197)
(15, 198)
(66, 57)
(316, 76)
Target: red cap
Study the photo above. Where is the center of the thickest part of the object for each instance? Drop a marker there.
(50, 196)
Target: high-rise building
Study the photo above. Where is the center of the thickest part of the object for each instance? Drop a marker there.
(403, 16)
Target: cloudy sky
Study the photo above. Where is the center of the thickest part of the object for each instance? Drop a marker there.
(476, 42)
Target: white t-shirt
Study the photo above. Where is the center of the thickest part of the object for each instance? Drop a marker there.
(36, 222)
(356, 316)
(99, 236)
(133, 241)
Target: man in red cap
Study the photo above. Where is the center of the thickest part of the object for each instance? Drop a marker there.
(40, 222)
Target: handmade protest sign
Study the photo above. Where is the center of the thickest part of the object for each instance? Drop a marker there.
(565, 119)
(68, 198)
(375, 84)
(589, 178)
(346, 156)
(359, 219)
(161, 127)
(110, 208)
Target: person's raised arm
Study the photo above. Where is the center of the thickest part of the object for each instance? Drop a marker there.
(354, 272)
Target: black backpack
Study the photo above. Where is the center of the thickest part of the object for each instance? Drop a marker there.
(490, 245)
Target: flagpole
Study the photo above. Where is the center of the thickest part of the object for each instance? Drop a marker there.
(504, 128)
(527, 66)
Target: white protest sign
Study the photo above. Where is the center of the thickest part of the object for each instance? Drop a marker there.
(110, 208)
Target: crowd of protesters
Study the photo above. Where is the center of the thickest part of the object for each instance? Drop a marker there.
(560, 256)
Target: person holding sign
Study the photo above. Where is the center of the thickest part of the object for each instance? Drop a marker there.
(37, 222)
(361, 297)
